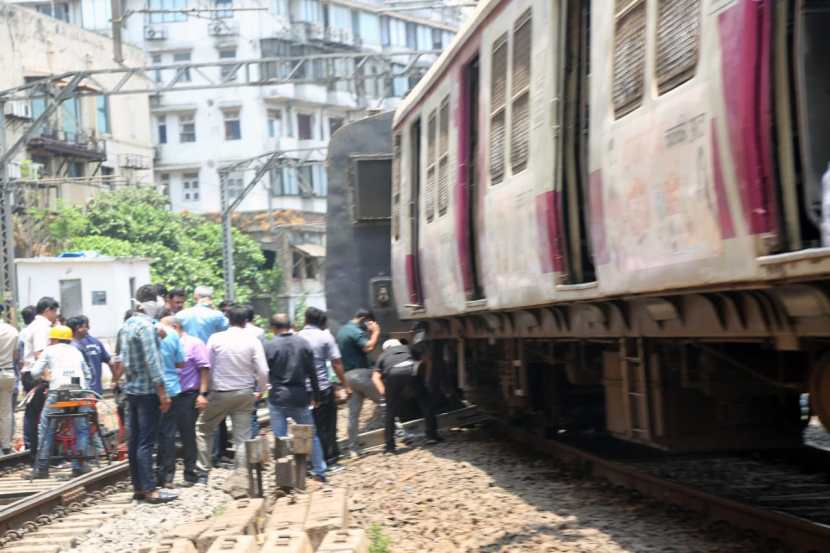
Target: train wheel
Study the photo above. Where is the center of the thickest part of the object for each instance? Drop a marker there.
(820, 390)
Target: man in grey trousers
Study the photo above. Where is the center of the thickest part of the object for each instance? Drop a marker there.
(237, 366)
(356, 339)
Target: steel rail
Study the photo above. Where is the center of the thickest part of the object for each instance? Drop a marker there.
(803, 535)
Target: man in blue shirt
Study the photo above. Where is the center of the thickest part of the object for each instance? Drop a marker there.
(92, 348)
(202, 320)
(172, 359)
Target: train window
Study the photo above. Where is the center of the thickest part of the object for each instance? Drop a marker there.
(372, 188)
(520, 93)
(396, 187)
(678, 36)
(498, 94)
(629, 55)
(444, 157)
(429, 192)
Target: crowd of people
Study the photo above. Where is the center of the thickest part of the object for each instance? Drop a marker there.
(184, 371)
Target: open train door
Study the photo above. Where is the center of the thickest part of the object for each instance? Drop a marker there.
(572, 171)
(413, 265)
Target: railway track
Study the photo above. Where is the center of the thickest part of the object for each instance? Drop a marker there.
(783, 496)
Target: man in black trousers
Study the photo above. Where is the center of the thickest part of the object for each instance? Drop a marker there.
(395, 372)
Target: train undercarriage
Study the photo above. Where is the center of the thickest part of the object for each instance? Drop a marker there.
(693, 372)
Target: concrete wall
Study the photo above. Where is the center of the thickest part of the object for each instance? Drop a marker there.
(35, 45)
(38, 277)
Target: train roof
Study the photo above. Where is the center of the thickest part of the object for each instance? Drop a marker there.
(438, 68)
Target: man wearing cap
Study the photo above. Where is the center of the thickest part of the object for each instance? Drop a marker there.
(202, 320)
(8, 381)
(62, 366)
(395, 371)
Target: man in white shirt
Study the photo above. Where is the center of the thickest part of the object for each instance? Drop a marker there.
(63, 366)
(237, 367)
(8, 380)
(37, 338)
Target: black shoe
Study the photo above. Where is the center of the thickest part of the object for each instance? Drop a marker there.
(436, 439)
(319, 478)
(36, 475)
(390, 451)
(187, 484)
(162, 497)
(138, 496)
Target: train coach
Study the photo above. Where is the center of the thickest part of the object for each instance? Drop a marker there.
(607, 214)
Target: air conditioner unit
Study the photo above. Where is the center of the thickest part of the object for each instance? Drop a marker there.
(222, 28)
(155, 33)
(19, 108)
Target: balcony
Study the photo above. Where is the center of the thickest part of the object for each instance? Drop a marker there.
(134, 161)
(51, 141)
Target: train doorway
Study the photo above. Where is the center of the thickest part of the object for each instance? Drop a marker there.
(802, 108)
(470, 91)
(416, 292)
(575, 70)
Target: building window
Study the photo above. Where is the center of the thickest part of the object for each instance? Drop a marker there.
(429, 192)
(190, 185)
(273, 48)
(76, 169)
(437, 37)
(161, 126)
(520, 93)
(411, 36)
(281, 7)
(498, 102)
(228, 72)
(233, 130)
(224, 7)
(234, 184)
(678, 36)
(629, 56)
(297, 263)
(275, 123)
(102, 114)
(155, 59)
(169, 17)
(320, 185)
(187, 128)
(385, 31)
(164, 184)
(305, 180)
(57, 10)
(183, 57)
(284, 182)
(334, 124)
(305, 126)
(444, 157)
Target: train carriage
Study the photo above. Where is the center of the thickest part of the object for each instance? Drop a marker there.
(611, 210)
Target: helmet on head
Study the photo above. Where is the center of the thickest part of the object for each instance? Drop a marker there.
(391, 343)
(60, 333)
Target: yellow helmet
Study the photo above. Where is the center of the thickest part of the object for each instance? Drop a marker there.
(60, 333)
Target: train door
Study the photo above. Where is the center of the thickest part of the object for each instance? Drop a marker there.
(470, 92)
(416, 295)
(802, 107)
(574, 77)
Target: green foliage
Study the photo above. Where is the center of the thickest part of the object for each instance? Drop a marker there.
(378, 541)
(299, 313)
(186, 248)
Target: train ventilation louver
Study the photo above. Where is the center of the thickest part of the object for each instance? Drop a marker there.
(678, 35)
(629, 57)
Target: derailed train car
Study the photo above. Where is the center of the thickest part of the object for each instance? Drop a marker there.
(605, 212)
(359, 169)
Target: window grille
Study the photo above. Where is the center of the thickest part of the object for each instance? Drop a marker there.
(520, 88)
(396, 187)
(444, 158)
(498, 92)
(629, 56)
(678, 39)
(429, 193)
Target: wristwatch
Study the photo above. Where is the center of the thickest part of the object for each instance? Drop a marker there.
(203, 394)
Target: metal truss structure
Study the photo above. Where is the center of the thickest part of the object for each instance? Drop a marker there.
(261, 166)
(356, 68)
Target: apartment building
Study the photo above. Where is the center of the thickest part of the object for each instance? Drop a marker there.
(196, 133)
(91, 142)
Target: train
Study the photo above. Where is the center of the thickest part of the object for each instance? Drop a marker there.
(606, 215)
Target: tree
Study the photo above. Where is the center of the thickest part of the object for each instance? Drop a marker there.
(186, 248)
